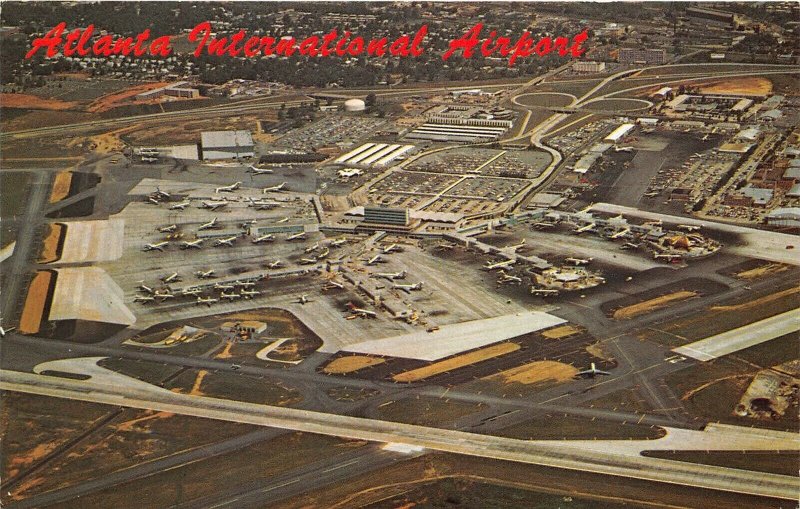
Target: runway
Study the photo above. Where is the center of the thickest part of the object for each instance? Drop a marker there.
(608, 457)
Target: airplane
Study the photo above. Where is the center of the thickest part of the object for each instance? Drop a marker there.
(208, 225)
(584, 228)
(214, 205)
(284, 220)
(249, 294)
(228, 189)
(264, 238)
(153, 200)
(542, 225)
(323, 254)
(331, 284)
(375, 259)
(499, 265)
(675, 258)
(171, 278)
(223, 286)
(620, 233)
(246, 224)
(168, 229)
(591, 372)
(161, 194)
(261, 204)
(276, 264)
(390, 275)
(623, 149)
(543, 292)
(359, 312)
(312, 248)
(303, 299)
(144, 288)
(204, 275)
(390, 248)
(657, 222)
(227, 241)
(578, 261)
(514, 247)
(408, 288)
(338, 242)
(206, 300)
(297, 236)
(652, 194)
(164, 296)
(155, 247)
(147, 159)
(689, 227)
(4, 331)
(630, 245)
(257, 171)
(244, 283)
(191, 291)
(444, 246)
(180, 206)
(704, 138)
(279, 187)
(508, 278)
(307, 261)
(193, 244)
(231, 296)
(140, 298)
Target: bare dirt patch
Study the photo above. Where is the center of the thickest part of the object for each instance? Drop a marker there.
(536, 372)
(651, 305)
(114, 99)
(456, 362)
(35, 302)
(61, 185)
(351, 363)
(765, 270)
(757, 302)
(753, 85)
(27, 101)
(560, 332)
(50, 245)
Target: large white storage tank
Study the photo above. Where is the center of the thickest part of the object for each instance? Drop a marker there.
(354, 105)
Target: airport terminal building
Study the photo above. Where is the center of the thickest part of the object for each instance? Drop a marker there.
(227, 145)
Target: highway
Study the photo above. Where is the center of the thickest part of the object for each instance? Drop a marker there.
(602, 456)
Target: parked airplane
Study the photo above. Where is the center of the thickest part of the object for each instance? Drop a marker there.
(674, 258)
(144, 288)
(312, 248)
(161, 194)
(155, 247)
(191, 291)
(323, 254)
(245, 283)
(390, 275)
(249, 294)
(227, 241)
(297, 236)
(508, 278)
(499, 265)
(223, 286)
(303, 299)
(164, 296)
(623, 149)
(338, 242)
(264, 238)
(180, 206)
(514, 247)
(276, 264)
(261, 204)
(375, 259)
(214, 204)
(228, 189)
(168, 229)
(543, 292)
(171, 278)
(408, 288)
(689, 227)
(204, 275)
(206, 300)
(257, 171)
(390, 248)
(591, 372)
(630, 245)
(140, 298)
(620, 233)
(273, 189)
(578, 261)
(229, 296)
(357, 312)
(543, 224)
(585, 228)
(194, 244)
(308, 261)
(331, 284)
(153, 201)
(208, 225)
(4, 331)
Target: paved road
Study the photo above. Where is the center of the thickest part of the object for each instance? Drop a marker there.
(602, 456)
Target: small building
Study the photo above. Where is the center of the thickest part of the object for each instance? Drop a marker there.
(642, 56)
(246, 326)
(588, 66)
(619, 133)
(227, 145)
(787, 217)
